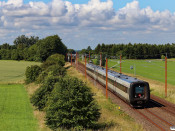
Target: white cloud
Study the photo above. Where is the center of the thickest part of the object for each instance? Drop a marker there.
(16, 3)
(95, 16)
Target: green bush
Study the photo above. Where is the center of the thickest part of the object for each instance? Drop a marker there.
(54, 70)
(55, 59)
(71, 105)
(40, 97)
(32, 72)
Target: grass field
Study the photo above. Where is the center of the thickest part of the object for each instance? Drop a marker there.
(13, 71)
(16, 113)
(152, 69)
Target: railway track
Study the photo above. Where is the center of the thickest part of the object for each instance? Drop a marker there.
(149, 112)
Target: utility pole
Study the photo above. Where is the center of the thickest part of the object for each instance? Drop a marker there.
(120, 63)
(166, 75)
(71, 59)
(76, 61)
(85, 67)
(100, 59)
(106, 77)
(134, 70)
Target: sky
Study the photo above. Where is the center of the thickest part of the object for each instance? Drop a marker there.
(83, 23)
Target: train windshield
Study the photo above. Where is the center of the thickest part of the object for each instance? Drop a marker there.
(139, 89)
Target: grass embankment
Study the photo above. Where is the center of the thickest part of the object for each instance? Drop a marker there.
(16, 112)
(112, 118)
(152, 71)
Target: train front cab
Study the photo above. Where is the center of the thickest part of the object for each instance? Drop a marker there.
(139, 94)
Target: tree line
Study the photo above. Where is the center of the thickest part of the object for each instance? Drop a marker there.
(136, 51)
(32, 48)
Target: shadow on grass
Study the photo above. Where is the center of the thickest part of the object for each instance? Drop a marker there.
(96, 127)
(104, 125)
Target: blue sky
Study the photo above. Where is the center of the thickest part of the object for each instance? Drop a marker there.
(105, 21)
(155, 4)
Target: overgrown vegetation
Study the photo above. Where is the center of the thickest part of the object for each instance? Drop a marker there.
(41, 95)
(71, 105)
(68, 102)
(32, 73)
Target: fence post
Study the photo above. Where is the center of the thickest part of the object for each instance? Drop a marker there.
(166, 76)
(106, 78)
(71, 59)
(120, 63)
(85, 66)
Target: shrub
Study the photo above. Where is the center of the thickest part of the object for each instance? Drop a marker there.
(40, 97)
(54, 70)
(71, 105)
(52, 60)
(32, 72)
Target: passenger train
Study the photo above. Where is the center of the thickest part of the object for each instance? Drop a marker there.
(132, 90)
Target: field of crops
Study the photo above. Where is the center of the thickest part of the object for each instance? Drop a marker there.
(13, 71)
(152, 69)
(16, 113)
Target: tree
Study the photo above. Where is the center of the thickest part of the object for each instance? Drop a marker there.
(98, 49)
(89, 49)
(5, 46)
(71, 104)
(49, 46)
(22, 41)
(71, 51)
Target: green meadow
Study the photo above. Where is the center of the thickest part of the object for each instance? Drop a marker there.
(16, 113)
(13, 71)
(152, 69)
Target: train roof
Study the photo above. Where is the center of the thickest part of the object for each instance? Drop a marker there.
(115, 74)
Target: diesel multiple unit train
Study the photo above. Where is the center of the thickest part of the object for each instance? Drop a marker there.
(132, 90)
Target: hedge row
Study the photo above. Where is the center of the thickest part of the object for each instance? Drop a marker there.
(67, 101)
